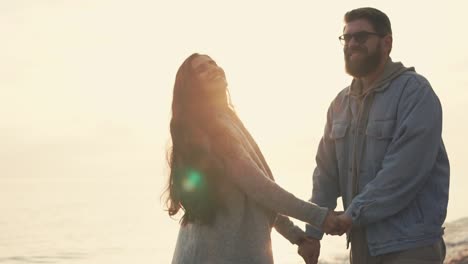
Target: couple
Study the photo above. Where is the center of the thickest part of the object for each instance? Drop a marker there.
(381, 151)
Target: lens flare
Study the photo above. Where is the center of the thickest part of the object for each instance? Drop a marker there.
(192, 180)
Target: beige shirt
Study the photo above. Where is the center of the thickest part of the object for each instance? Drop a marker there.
(254, 203)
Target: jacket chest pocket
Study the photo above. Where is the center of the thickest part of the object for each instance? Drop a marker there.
(338, 135)
(379, 135)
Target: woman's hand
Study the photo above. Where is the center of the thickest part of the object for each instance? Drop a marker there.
(336, 223)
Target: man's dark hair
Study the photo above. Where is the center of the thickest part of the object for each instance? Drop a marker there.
(378, 19)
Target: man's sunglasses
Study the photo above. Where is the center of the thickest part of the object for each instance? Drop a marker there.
(360, 37)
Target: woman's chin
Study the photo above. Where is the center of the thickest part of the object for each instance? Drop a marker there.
(216, 84)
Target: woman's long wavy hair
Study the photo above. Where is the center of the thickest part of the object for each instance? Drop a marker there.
(194, 169)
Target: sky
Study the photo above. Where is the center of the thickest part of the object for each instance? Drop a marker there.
(86, 86)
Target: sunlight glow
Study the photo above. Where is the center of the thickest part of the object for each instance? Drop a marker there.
(85, 99)
(192, 180)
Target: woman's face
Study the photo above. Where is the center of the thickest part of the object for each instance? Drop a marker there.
(208, 74)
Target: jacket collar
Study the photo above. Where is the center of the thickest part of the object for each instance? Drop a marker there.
(391, 71)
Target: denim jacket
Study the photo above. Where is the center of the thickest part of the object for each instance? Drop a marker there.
(383, 154)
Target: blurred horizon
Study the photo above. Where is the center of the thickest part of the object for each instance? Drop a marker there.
(87, 86)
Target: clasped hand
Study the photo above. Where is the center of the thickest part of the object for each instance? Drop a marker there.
(336, 223)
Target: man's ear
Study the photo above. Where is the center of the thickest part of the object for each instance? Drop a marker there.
(388, 43)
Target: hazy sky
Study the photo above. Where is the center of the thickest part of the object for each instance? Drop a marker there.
(85, 86)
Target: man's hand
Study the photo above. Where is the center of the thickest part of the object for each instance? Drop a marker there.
(309, 249)
(336, 223)
(346, 222)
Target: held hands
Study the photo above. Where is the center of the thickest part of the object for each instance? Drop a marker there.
(309, 249)
(336, 223)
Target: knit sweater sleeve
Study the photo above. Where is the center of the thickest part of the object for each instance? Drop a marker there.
(288, 229)
(243, 172)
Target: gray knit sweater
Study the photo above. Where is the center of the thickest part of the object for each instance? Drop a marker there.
(254, 204)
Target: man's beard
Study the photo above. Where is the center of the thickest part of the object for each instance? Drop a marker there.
(363, 66)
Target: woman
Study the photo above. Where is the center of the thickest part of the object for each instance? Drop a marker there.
(220, 179)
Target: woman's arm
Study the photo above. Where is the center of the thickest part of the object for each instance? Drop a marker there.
(243, 172)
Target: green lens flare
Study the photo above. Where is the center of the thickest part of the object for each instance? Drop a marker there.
(192, 180)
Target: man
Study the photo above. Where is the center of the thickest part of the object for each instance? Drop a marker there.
(383, 153)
